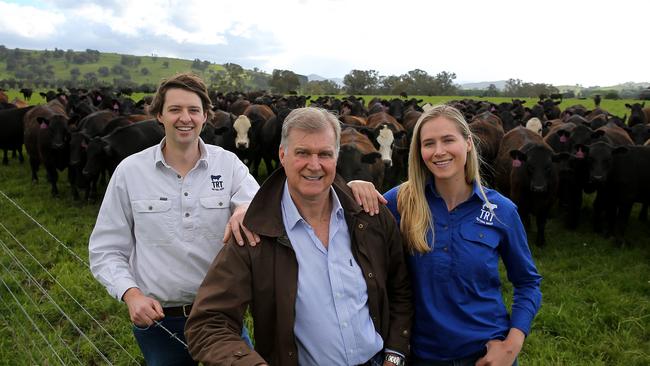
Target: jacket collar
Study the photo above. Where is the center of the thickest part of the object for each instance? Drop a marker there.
(264, 215)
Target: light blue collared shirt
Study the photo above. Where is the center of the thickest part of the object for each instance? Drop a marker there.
(333, 324)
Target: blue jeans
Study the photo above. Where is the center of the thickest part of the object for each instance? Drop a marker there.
(160, 349)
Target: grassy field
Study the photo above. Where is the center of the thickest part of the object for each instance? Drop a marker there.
(595, 311)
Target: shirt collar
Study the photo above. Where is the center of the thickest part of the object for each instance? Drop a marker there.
(159, 158)
(291, 211)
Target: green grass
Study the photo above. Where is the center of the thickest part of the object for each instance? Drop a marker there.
(595, 311)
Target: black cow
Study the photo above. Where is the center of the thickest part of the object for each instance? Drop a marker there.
(11, 132)
(90, 126)
(108, 151)
(639, 133)
(637, 115)
(27, 93)
(525, 171)
(47, 138)
(358, 159)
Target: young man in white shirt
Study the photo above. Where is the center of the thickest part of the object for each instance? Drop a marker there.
(165, 213)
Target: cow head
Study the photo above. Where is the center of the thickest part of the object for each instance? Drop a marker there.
(353, 164)
(600, 157)
(637, 116)
(96, 156)
(242, 127)
(536, 164)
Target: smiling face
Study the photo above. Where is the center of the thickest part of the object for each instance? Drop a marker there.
(444, 150)
(310, 164)
(183, 117)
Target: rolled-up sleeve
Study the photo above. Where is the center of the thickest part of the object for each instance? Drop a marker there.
(112, 240)
(523, 275)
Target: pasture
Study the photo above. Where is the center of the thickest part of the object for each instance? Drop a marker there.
(595, 310)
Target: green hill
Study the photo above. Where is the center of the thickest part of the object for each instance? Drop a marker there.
(53, 68)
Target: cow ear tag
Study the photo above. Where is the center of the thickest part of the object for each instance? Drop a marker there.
(562, 138)
(516, 163)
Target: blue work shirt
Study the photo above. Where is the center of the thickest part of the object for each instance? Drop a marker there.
(333, 324)
(456, 287)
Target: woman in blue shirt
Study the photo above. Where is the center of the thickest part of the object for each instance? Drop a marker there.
(455, 230)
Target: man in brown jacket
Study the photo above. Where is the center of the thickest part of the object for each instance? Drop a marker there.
(328, 283)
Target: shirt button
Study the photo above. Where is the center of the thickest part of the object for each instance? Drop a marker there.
(186, 194)
(345, 324)
(150, 208)
(370, 275)
(220, 203)
(360, 226)
(178, 176)
(445, 227)
(187, 214)
(481, 235)
(290, 354)
(445, 249)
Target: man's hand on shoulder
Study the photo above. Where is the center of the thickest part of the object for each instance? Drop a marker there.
(143, 310)
(235, 226)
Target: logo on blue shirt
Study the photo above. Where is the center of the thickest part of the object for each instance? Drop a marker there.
(217, 183)
(487, 214)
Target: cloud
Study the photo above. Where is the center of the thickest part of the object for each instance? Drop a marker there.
(28, 21)
(556, 42)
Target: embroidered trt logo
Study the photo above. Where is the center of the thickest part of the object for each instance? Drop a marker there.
(217, 183)
(486, 216)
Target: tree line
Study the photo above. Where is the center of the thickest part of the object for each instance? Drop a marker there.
(26, 68)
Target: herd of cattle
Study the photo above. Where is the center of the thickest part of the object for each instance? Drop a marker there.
(537, 156)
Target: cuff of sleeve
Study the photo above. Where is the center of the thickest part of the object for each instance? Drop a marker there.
(388, 350)
(120, 287)
(521, 323)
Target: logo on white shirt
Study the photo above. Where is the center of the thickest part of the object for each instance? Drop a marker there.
(487, 213)
(217, 183)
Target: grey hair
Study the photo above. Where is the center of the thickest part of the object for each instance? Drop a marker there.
(310, 119)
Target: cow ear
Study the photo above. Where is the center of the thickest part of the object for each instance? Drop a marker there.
(370, 158)
(627, 105)
(517, 158)
(558, 102)
(220, 130)
(43, 95)
(620, 150)
(43, 122)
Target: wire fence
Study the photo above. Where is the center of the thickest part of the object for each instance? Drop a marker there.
(49, 320)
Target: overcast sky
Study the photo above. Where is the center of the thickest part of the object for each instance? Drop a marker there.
(557, 42)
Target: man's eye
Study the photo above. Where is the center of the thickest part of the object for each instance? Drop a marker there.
(325, 155)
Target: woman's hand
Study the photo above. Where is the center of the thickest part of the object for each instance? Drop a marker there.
(367, 196)
(503, 353)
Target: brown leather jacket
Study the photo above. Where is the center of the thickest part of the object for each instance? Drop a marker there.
(266, 278)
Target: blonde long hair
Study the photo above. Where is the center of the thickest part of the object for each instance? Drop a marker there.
(416, 218)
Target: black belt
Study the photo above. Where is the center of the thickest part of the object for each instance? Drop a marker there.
(178, 311)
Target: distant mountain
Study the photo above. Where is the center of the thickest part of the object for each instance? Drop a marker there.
(314, 77)
(500, 84)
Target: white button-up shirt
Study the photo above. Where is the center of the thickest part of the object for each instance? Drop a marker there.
(159, 231)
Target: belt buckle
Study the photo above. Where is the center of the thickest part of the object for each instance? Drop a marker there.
(185, 312)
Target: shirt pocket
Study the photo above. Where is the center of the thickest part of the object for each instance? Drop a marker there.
(477, 258)
(152, 221)
(214, 213)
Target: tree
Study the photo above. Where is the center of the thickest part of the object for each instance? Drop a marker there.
(283, 81)
(144, 71)
(491, 91)
(234, 77)
(361, 81)
(444, 83)
(165, 64)
(74, 73)
(321, 87)
(103, 71)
